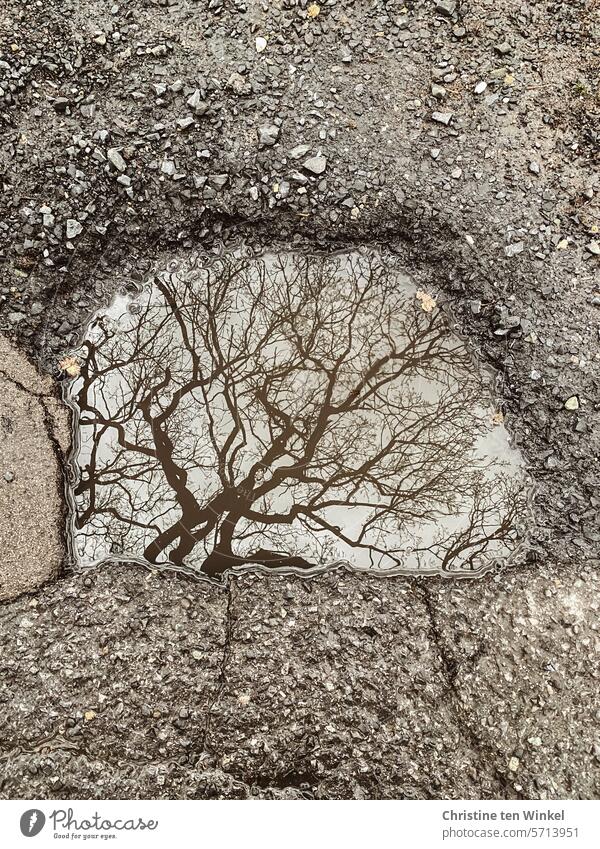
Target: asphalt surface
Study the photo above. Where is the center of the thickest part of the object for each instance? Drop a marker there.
(360, 124)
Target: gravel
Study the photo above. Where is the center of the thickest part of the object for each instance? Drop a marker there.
(379, 688)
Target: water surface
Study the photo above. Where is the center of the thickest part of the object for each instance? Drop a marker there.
(288, 412)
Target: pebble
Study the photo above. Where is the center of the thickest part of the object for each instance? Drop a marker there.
(534, 167)
(115, 158)
(445, 7)
(268, 135)
(74, 228)
(442, 117)
(480, 87)
(514, 249)
(572, 403)
(316, 164)
(299, 151)
(9, 477)
(594, 248)
(185, 123)
(261, 44)
(218, 181)
(195, 102)
(61, 104)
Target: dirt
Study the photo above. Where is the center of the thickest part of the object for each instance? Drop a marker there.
(337, 686)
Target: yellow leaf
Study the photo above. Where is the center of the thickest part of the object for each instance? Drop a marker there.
(313, 10)
(89, 715)
(427, 302)
(498, 418)
(509, 79)
(71, 366)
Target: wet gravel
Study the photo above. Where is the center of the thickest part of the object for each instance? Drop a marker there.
(461, 136)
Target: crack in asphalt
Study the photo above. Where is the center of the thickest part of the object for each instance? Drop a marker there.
(6, 376)
(450, 668)
(225, 657)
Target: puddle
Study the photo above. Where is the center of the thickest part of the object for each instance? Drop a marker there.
(288, 412)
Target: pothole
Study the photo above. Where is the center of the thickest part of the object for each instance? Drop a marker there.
(289, 412)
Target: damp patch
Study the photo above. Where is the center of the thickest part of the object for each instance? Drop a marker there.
(287, 412)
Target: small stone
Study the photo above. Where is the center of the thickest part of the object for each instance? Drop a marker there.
(167, 167)
(9, 477)
(438, 91)
(594, 247)
(514, 249)
(442, 117)
(268, 135)
(261, 44)
(572, 403)
(445, 7)
(238, 84)
(299, 151)
(115, 158)
(74, 228)
(480, 87)
(513, 764)
(435, 152)
(503, 48)
(61, 104)
(218, 181)
(534, 167)
(185, 123)
(196, 103)
(316, 164)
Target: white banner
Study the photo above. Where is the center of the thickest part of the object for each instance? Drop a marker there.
(289, 824)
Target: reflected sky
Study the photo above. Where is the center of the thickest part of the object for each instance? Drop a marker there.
(288, 412)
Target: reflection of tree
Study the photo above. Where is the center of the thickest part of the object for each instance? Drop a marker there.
(284, 413)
